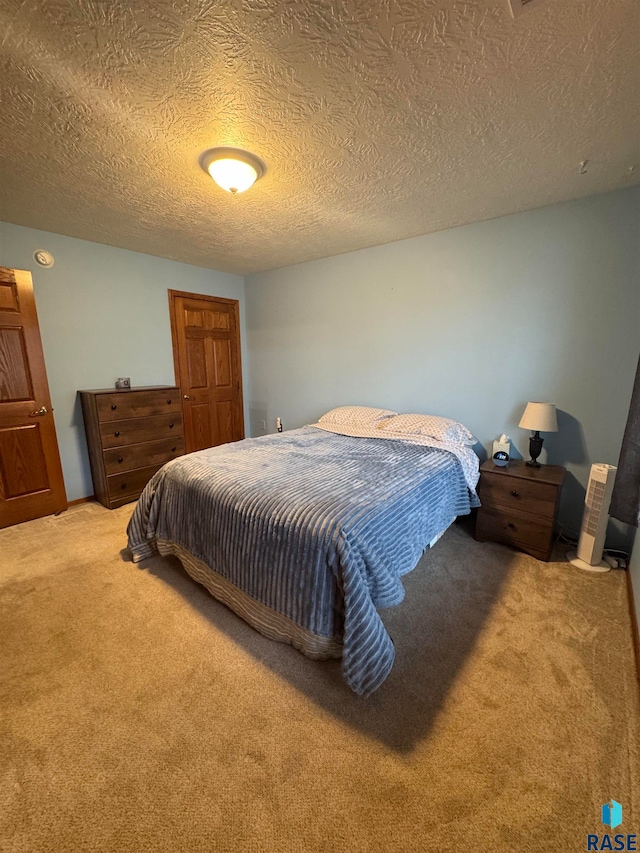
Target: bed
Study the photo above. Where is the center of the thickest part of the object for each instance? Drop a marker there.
(305, 534)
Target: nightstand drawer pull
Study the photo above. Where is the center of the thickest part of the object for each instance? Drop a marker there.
(511, 525)
(168, 402)
(515, 493)
(170, 426)
(117, 433)
(123, 486)
(120, 459)
(113, 407)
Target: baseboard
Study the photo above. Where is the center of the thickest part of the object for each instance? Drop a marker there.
(634, 623)
(82, 500)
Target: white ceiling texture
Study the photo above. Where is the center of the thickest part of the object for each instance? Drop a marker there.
(377, 120)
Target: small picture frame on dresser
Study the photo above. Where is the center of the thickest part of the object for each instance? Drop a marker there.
(123, 382)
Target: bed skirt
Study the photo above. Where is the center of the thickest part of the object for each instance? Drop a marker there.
(266, 621)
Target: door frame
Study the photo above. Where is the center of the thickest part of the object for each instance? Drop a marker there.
(235, 304)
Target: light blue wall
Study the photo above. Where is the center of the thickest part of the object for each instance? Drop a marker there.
(103, 313)
(469, 323)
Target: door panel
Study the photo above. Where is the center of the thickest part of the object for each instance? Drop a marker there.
(31, 483)
(15, 376)
(218, 321)
(222, 361)
(197, 426)
(27, 471)
(206, 347)
(196, 362)
(225, 422)
(9, 296)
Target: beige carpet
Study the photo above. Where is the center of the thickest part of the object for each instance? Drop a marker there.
(138, 714)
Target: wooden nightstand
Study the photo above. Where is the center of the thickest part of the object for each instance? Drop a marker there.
(519, 506)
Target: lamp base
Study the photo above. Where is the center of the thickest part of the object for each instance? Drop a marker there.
(599, 568)
(535, 448)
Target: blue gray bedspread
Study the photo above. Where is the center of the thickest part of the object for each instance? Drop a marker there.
(301, 519)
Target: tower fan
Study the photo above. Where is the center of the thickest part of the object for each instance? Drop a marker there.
(588, 554)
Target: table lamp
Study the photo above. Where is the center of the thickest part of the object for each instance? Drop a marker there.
(539, 417)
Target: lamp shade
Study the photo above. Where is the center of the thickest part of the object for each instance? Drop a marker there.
(539, 417)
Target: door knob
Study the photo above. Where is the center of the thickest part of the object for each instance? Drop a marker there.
(40, 413)
(186, 397)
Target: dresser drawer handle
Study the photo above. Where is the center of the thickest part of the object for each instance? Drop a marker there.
(172, 449)
(113, 407)
(120, 459)
(168, 402)
(170, 426)
(123, 486)
(117, 433)
(511, 525)
(515, 493)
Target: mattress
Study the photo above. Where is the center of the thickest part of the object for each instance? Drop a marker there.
(306, 534)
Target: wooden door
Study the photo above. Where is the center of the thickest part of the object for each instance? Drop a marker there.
(206, 353)
(31, 483)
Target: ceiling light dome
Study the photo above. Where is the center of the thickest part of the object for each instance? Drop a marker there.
(232, 169)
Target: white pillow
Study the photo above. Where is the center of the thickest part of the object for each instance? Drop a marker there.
(356, 416)
(442, 429)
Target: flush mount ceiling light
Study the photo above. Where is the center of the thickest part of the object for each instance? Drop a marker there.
(232, 169)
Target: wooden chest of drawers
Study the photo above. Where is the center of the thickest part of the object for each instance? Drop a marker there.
(519, 506)
(130, 434)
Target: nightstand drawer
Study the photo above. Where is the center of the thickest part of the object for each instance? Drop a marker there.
(496, 490)
(514, 528)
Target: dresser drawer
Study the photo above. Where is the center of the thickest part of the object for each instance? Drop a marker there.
(142, 455)
(129, 483)
(137, 404)
(514, 528)
(496, 490)
(117, 433)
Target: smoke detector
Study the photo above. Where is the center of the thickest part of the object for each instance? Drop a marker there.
(43, 258)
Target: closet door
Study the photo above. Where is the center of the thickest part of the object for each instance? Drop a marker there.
(206, 347)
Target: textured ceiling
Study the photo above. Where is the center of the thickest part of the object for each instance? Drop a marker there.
(378, 120)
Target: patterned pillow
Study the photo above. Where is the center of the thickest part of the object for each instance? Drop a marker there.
(442, 429)
(357, 416)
